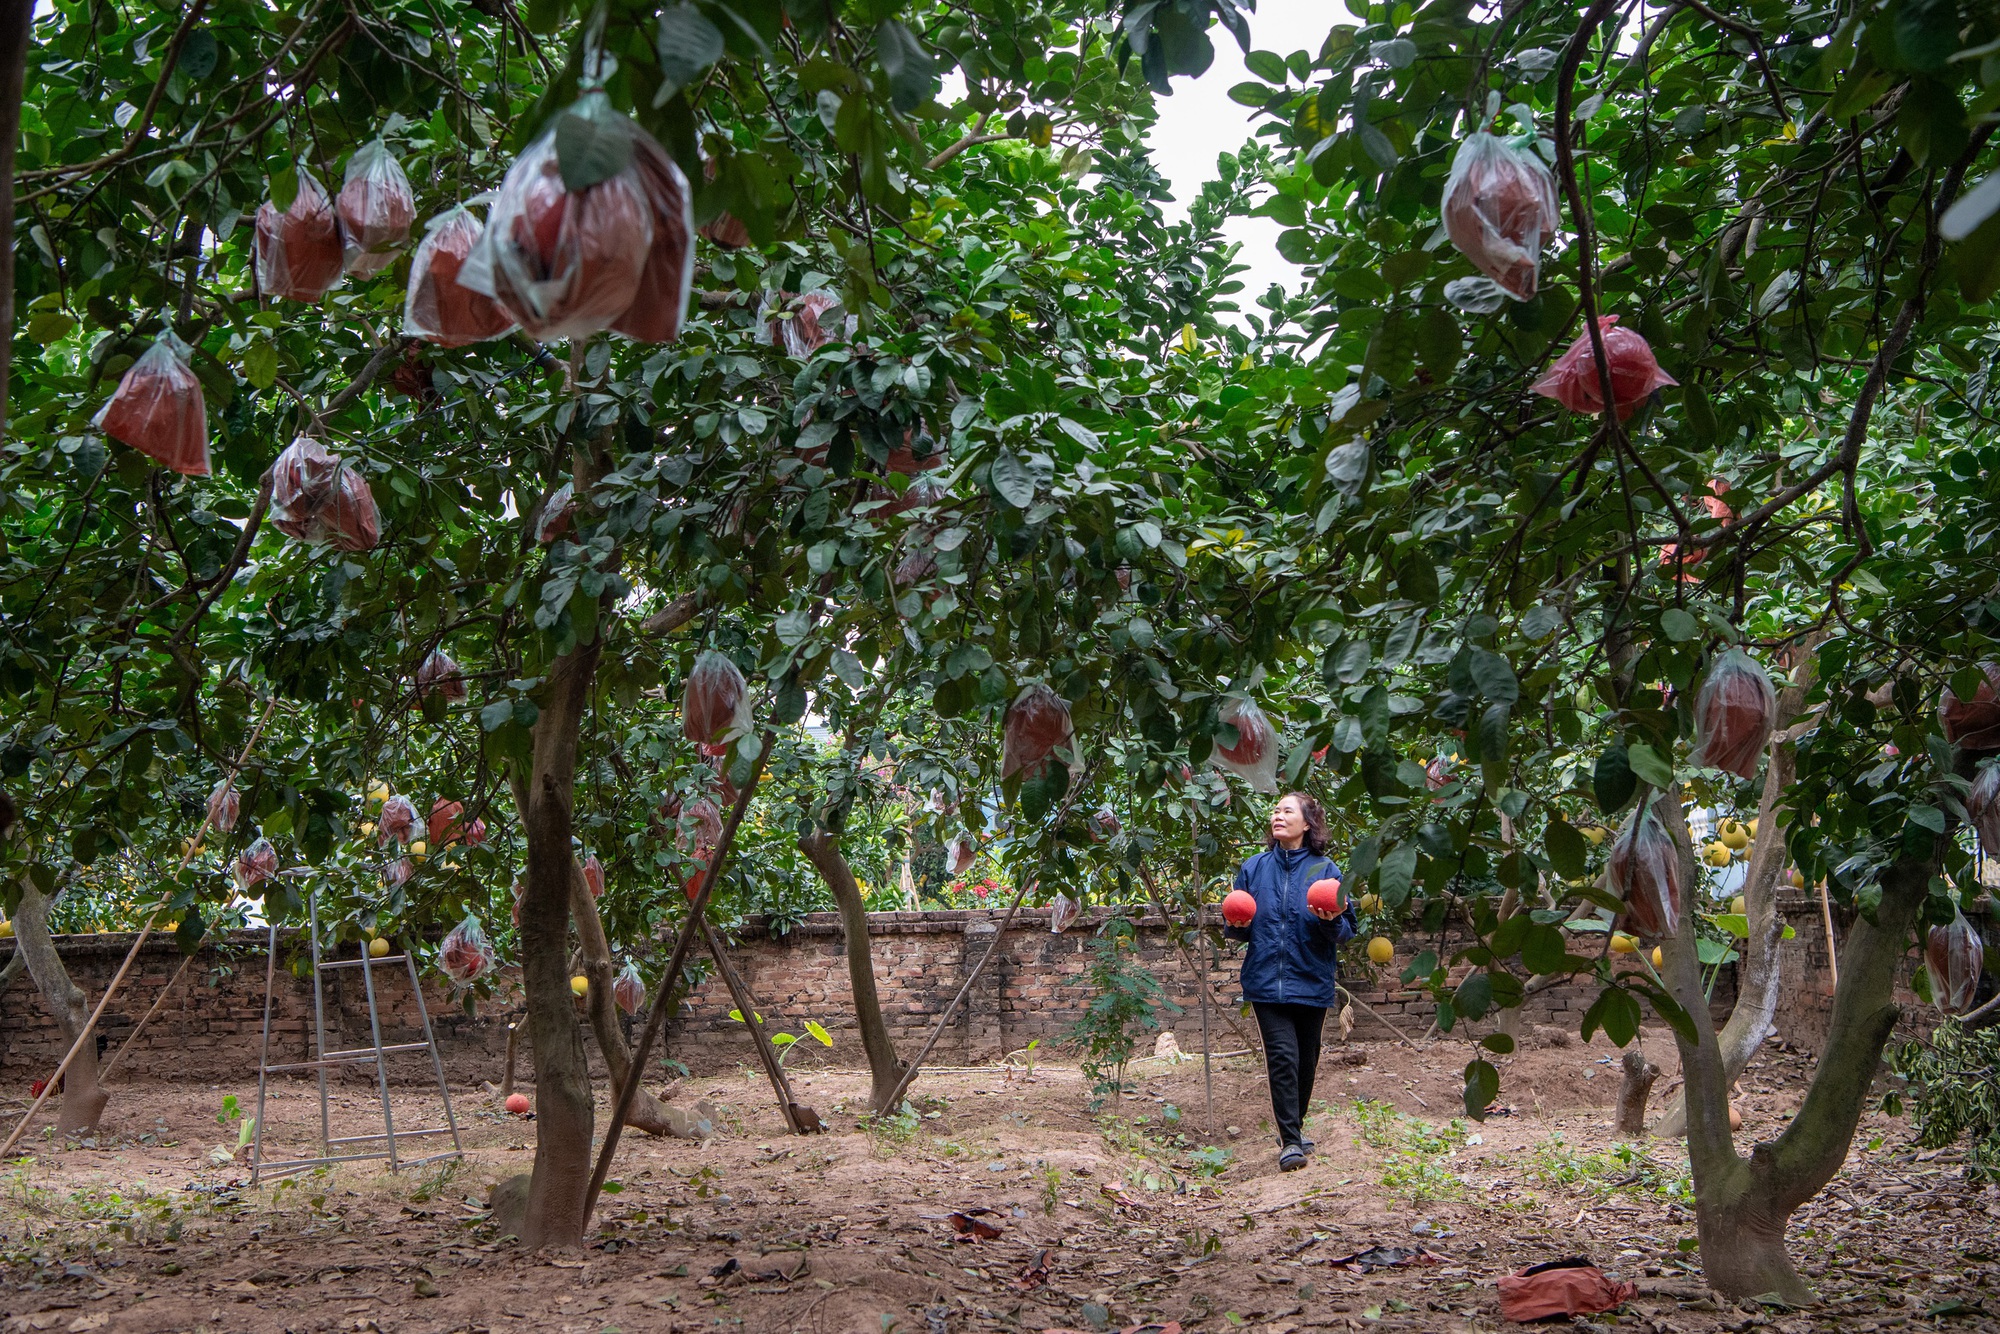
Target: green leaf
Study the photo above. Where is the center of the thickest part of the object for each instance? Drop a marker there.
(1268, 66)
(1395, 875)
(1567, 851)
(1612, 782)
(590, 150)
(1736, 924)
(1616, 1012)
(1494, 676)
(688, 44)
(1545, 950)
(260, 363)
(824, 1038)
(543, 15)
(1493, 735)
(1679, 626)
(912, 73)
(1482, 1086)
(1420, 967)
(1650, 766)
(199, 54)
(1498, 1043)
(1012, 480)
(1474, 996)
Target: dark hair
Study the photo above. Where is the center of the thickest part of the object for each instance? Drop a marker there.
(1315, 821)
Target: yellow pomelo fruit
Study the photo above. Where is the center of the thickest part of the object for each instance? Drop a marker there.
(1624, 944)
(1716, 854)
(1659, 958)
(377, 948)
(1381, 950)
(579, 984)
(1740, 906)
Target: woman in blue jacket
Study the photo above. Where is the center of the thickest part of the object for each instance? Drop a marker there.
(1288, 973)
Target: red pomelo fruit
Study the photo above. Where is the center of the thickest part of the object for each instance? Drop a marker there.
(1238, 908)
(517, 1103)
(1325, 896)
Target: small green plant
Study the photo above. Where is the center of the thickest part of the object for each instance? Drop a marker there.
(1625, 1167)
(893, 1130)
(1127, 1002)
(441, 1174)
(1954, 1091)
(1051, 1176)
(1211, 1161)
(784, 1042)
(1415, 1151)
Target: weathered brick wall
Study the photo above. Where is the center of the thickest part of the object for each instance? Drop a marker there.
(1805, 992)
(1036, 988)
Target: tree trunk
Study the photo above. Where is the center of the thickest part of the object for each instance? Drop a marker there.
(83, 1098)
(17, 21)
(1755, 1015)
(885, 1068)
(1743, 1204)
(602, 1006)
(563, 1112)
(1640, 1075)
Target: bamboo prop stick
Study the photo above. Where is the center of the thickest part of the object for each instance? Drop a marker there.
(1832, 945)
(118, 978)
(1369, 1010)
(1201, 974)
(746, 1005)
(663, 997)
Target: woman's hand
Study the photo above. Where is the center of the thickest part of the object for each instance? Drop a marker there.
(1325, 916)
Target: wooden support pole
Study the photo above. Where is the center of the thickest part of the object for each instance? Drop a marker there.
(1201, 974)
(746, 1005)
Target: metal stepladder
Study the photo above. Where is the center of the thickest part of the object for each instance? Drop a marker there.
(334, 1148)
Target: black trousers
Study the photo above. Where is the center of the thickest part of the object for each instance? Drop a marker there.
(1291, 1058)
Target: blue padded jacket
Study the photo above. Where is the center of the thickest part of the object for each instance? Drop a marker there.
(1294, 955)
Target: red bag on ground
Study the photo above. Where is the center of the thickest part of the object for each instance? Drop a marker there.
(716, 700)
(159, 410)
(795, 324)
(225, 804)
(1982, 808)
(442, 823)
(398, 822)
(1573, 381)
(1645, 871)
(466, 954)
(1734, 714)
(566, 263)
(660, 303)
(593, 876)
(440, 674)
(1037, 723)
(438, 308)
(1956, 956)
(376, 209)
(299, 254)
(1565, 1288)
(630, 989)
(1974, 724)
(256, 864)
(1499, 206)
(1254, 757)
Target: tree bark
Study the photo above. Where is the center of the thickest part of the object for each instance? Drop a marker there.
(1756, 1011)
(885, 1068)
(83, 1098)
(602, 1006)
(563, 1112)
(17, 22)
(1640, 1075)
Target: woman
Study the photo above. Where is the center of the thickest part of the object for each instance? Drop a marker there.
(1288, 973)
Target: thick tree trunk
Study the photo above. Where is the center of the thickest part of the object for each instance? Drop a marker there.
(602, 1006)
(1743, 1204)
(1640, 1076)
(83, 1098)
(885, 1068)
(563, 1112)
(1756, 1011)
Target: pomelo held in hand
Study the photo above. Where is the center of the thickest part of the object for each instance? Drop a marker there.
(1238, 908)
(1325, 896)
(517, 1103)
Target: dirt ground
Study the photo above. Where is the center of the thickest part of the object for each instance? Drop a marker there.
(1148, 1212)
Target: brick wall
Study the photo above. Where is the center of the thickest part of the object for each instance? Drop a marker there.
(1805, 992)
(1036, 988)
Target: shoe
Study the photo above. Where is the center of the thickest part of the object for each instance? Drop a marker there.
(1307, 1145)
(1292, 1159)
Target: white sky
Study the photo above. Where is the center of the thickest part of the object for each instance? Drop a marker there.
(1199, 121)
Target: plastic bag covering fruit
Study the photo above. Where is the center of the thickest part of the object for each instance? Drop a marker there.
(1573, 381)
(376, 209)
(1037, 723)
(1718, 509)
(566, 263)
(225, 804)
(1104, 824)
(298, 251)
(442, 825)
(1982, 808)
(716, 700)
(1974, 724)
(256, 864)
(919, 452)
(315, 497)
(1499, 206)
(630, 989)
(725, 228)
(554, 519)
(465, 954)
(593, 876)
(961, 853)
(398, 822)
(796, 323)
(701, 823)
(438, 308)
(159, 410)
(660, 303)
(1734, 714)
(1955, 955)
(1437, 773)
(1254, 757)
(1063, 912)
(398, 871)
(440, 674)
(1646, 873)
(1238, 907)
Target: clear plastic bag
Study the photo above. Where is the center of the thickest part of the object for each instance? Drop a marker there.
(556, 513)
(398, 822)
(1645, 871)
(441, 825)
(299, 254)
(919, 452)
(440, 674)
(398, 872)
(1956, 956)
(716, 701)
(255, 864)
(1063, 912)
(438, 307)
(629, 991)
(159, 410)
(1037, 723)
(961, 853)
(376, 209)
(315, 497)
(1982, 808)
(1254, 757)
(566, 263)
(701, 827)
(1105, 824)
(1974, 724)
(1499, 207)
(802, 325)
(593, 876)
(1573, 381)
(465, 954)
(1734, 714)
(225, 804)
